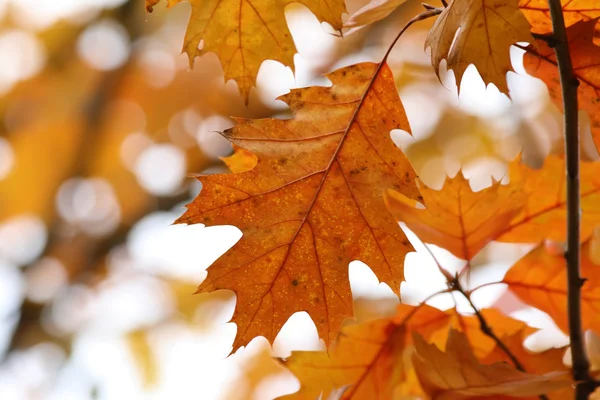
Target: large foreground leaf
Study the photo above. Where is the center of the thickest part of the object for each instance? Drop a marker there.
(313, 203)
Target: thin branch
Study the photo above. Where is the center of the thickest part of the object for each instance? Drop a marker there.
(428, 13)
(487, 330)
(569, 85)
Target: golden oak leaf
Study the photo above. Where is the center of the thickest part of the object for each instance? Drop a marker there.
(244, 33)
(240, 161)
(538, 15)
(375, 11)
(540, 280)
(456, 218)
(585, 56)
(544, 214)
(487, 30)
(537, 363)
(367, 357)
(457, 374)
(313, 203)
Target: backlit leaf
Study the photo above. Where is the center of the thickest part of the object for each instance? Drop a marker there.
(367, 357)
(458, 219)
(544, 214)
(457, 374)
(313, 203)
(478, 32)
(540, 280)
(244, 33)
(585, 57)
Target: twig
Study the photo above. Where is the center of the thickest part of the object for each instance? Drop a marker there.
(487, 330)
(569, 84)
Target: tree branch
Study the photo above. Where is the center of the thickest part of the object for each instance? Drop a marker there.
(487, 330)
(569, 84)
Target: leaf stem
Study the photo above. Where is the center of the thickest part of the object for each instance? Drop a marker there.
(569, 85)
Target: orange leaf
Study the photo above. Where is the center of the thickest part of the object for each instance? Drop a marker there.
(487, 30)
(240, 161)
(313, 203)
(538, 15)
(481, 344)
(540, 280)
(367, 357)
(456, 218)
(537, 363)
(457, 374)
(243, 34)
(585, 56)
(544, 215)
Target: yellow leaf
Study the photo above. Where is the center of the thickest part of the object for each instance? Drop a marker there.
(487, 30)
(240, 161)
(144, 357)
(244, 33)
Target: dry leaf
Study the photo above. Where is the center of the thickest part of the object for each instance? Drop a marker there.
(313, 203)
(367, 357)
(478, 32)
(458, 219)
(457, 374)
(243, 34)
(585, 57)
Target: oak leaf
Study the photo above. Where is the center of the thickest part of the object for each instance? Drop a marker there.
(313, 203)
(244, 33)
(478, 32)
(457, 374)
(544, 214)
(540, 280)
(538, 14)
(481, 344)
(585, 56)
(456, 218)
(367, 358)
(533, 362)
(375, 11)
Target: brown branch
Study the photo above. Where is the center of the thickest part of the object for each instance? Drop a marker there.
(569, 85)
(487, 330)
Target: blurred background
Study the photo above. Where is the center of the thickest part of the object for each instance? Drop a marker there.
(102, 122)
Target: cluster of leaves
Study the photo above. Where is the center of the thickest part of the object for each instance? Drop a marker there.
(328, 186)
